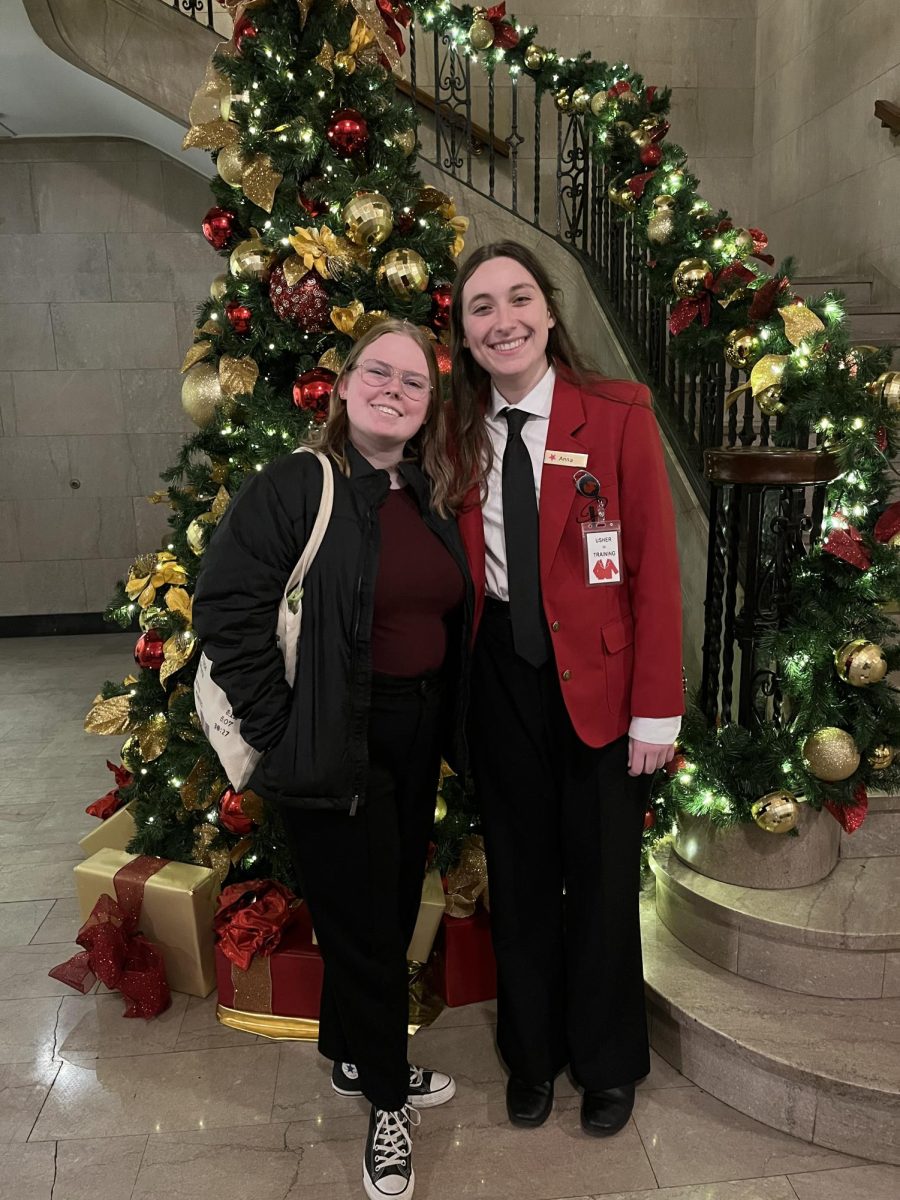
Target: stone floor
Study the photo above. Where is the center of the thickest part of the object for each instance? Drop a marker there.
(94, 1107)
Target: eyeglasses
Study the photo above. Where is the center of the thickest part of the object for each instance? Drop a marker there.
(377, 374)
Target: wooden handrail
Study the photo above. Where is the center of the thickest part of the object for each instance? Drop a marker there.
(888, 114)
(769, 466)
(480, 137)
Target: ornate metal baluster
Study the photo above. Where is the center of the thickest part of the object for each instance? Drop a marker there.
(732, 554)
(514, 141)
(715, 575)
(538, 101)
(492, 158)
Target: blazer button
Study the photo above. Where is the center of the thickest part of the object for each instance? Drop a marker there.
(555, 626)
(567, 675)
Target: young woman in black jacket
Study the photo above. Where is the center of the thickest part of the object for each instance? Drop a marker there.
(351, 753)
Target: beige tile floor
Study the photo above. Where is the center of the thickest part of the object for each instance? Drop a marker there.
(94, 1107)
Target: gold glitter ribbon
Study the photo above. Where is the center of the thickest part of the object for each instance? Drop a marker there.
(237, 376)
(369, 13)
(260, 180)
(177, 652)
(467, 882)
(109, 716)
(253, 987)
(800, 323)
(152, 737)
(198, 351)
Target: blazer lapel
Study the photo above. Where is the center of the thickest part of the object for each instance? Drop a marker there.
(557, 483)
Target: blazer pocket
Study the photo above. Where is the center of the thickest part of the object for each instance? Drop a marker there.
(618, 639)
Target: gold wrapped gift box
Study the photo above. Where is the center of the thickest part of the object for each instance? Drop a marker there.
(176, 915)
(112, 834)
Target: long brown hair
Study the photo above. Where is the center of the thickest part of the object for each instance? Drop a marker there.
(429, 447)
(471, 383)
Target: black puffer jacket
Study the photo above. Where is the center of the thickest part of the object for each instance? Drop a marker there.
(314, 736)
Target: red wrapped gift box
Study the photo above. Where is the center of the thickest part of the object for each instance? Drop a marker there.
(279, 995)
(464, 968)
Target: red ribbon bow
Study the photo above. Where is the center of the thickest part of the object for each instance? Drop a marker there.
(637, 183)
(766, 297)
(395, 15)
(846, 543)
(687, 310)
(760, 241)
(888, 523)
(122, 959)
(851, 816)
(112, 801)
(731, 278)
(505, 35)
(251, 918)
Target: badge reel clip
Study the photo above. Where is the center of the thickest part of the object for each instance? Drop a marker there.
(601, 538)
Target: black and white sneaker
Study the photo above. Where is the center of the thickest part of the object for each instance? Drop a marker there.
(426, 1088)
(387, 1160)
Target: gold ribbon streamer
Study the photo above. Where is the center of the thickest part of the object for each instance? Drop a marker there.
(467, 882)
(260, 180)
(109, 716)
(177, 651)
(198, 351)
(370, 14)
(800, 323)
(214, 135)
(152, 736)
(237, 376)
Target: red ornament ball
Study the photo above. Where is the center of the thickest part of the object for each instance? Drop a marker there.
(442, 354)
(347, 132)
(649, 819)
(231, 813)
(305, 304)
(148, 650)
(243, 28)
(315, 208)
(239, 316)
(405, 221)
(441, 296)
(651, 156)
(312, 391)
(676, 764)
(219, 227)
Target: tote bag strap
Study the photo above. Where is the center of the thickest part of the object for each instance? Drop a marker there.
(321, 523)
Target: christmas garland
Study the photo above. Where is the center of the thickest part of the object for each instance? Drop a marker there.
(837, 645)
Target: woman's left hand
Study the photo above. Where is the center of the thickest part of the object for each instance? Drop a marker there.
(646, 757)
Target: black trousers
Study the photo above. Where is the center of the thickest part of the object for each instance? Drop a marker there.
(362, 879)
(562, 825)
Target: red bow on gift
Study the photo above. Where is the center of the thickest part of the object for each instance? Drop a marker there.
(115, 953)
(505, 35)
(251, 918)
(395, 15)
(108, 804)
(851, 816)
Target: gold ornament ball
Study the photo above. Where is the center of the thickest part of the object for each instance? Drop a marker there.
(197, 532)
(881, 756)
(743, 241)
(562, 99)
(368, 219)
(700, 208)
(661, 226)
(130, 755)
(894, 541)
(860, 663)
(887, 388)
(776, 812)
(201, 394)
(404, 271)
(623, 128)
(740, 346)
(534, 57)
(629, 97)
(641, 136)
(231, 164)
(690, 277)
(406, 141)
(831, 754)
(218, 288)
(252, 259)
(481, 33)
(769, 401)
(664, 202)
(440, 809)
(581, 99)
(623, 196)
(599, 101)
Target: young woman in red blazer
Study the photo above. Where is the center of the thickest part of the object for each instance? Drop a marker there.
(576, 690)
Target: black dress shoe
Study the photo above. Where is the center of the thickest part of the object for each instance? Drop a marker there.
(605, 1113)
(528, 1104)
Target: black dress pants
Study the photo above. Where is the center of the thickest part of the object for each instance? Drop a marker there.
(362, 876)
(562, 825)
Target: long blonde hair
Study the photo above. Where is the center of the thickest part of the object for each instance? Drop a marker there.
(429, 448)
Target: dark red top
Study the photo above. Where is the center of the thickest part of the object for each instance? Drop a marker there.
(417, 588)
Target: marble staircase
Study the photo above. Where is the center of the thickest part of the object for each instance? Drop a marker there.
(785, 1003)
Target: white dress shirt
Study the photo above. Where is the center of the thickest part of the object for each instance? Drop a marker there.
(657, 730)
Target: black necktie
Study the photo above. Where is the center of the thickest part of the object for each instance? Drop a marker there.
(520, 525)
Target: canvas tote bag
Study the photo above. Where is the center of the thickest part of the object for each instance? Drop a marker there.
(221, 726)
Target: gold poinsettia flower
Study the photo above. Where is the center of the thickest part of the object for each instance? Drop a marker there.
(312, 247)
(459, 225)
(151, 572)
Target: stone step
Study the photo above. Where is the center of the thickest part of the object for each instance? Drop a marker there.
(874, 323)
(839, 937)
(856, 289)
(879, 834)
(824, 1070)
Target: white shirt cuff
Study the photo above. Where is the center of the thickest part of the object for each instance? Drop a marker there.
(659, 731)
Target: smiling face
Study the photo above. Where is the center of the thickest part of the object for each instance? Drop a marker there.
(387, 394)
(506, 323)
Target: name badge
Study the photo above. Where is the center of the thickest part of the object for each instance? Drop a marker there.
(564, 458)
(602, 554)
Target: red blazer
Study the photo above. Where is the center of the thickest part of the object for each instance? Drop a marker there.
(617, 646)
